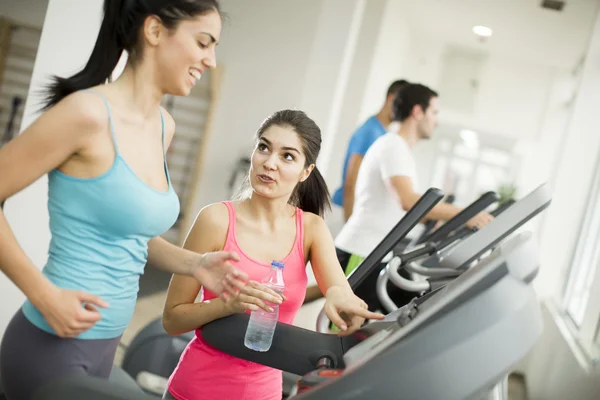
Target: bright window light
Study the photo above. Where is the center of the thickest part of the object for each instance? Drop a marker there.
(483, 31)
(469, 138)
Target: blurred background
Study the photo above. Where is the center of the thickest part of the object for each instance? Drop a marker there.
(519, 86)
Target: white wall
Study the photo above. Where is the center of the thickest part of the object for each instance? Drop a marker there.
(575, 168)
(540, 153)
(329, 66)
(264, 61)
(60, 52)
(391, 55)
(552, 369)
(361, 66)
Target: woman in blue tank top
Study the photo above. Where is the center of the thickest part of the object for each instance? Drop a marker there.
(103, 147)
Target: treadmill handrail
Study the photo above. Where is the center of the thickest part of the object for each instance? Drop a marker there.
(416, 268)
(412, 217)
(382, 293)
(402, 282)
(466, 231)
(430, 225)
(511, 219)
(294, 349)
(463, 217)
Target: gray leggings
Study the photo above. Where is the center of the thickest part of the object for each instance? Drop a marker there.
(30, 357)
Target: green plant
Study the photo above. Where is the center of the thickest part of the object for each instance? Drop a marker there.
(507, 192)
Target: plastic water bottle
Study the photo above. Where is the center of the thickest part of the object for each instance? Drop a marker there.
(261, 326)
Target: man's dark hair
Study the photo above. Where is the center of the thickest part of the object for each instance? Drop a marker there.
(396, 86)
(413, 94)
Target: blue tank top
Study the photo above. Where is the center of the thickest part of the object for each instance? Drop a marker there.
(100, 229)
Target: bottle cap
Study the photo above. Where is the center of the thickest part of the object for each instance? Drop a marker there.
(278, 264)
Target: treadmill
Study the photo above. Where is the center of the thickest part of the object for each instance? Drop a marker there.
(423, 260)
(442, 345)
(372, 278)
(455, 343)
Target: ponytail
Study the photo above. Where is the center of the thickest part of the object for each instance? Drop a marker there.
(312, 195)
(103, 60)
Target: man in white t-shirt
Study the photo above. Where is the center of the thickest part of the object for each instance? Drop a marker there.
(387, 181)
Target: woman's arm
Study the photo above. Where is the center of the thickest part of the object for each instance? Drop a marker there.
(168, 257)
(213, 270)
(181, 314)
(62, 132)
(342, 307)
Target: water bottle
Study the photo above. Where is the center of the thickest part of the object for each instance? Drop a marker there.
(261, 326)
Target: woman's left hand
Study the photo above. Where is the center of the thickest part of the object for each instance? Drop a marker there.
(346, 310)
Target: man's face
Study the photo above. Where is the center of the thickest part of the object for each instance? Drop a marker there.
(428, 120)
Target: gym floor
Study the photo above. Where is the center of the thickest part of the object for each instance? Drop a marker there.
(150, 306)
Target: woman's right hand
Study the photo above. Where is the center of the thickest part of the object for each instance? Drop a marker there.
(71, 312)
(252, 296)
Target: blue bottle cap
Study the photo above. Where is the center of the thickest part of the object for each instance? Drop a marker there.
(278, 264)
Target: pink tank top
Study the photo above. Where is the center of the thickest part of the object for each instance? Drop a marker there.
(205, 373)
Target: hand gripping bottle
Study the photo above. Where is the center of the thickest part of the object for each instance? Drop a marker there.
(261, 326)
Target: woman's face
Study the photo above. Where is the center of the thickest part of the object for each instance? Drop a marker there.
(182, 55)
(278, 163)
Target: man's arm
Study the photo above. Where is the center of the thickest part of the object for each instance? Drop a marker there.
(440, 212)
(351, 173)
(403, 186)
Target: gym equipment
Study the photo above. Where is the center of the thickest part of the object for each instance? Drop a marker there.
(88, 388)
(390, 297)
(442, 336)
(430, 224)
(456, 342)
(2, 397)
(424, 261)
(431, 268)
(153, 355)
(120, 378)
(9, 131)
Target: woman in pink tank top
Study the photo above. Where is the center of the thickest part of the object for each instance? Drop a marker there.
(277, 216)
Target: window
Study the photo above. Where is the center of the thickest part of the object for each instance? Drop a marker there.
(581, 300)
(467, 166)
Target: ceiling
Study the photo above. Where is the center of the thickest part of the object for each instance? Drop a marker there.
(522, 29)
